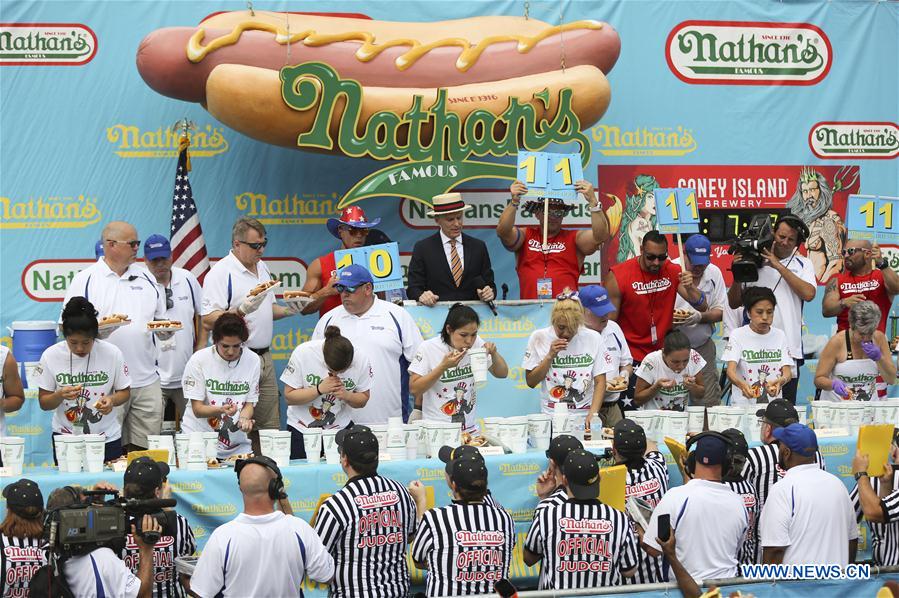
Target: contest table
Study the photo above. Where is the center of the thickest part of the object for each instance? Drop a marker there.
(210, 498)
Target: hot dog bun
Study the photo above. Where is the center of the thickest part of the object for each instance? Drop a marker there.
(113, 319)
(288, 295)
(263, 287)
(156, 324)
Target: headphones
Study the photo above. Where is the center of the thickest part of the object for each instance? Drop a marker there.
(275, 486)
(690, 464)
(796, 223)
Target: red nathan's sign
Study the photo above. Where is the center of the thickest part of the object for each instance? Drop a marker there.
(728, 196)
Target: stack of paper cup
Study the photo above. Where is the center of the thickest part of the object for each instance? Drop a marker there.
(753, 425)
(855, 412)
(182, 449)
(211, 440)
(411, 434)
(539, 425)
(266, 446)
(312, 442)
(654, 423)
(165, 442)
(479, 365)
(868, 417)
(677, 424)
(13, 450)
(431, 431)
(695, 418)
(196, 452)
(329, 444)
(281, 447)
(396, 447)
(560, 419)
(94, 450)
(642, 419)
(731, 417)
(577, 420)
(423, 446)
(823, 414)
(840, 417)
(380, 432)
(513, 433)
(491, 426)
(74, 453)
(451, 435)
(59, 445)
(886, 412)
(802, 412)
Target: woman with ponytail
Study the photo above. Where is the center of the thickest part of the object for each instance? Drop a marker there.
(323, 382)
(441, 377)
(84, 379)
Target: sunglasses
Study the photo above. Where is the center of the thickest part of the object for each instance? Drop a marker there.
(169, 302)
(852, 251)
(132, 244)
(255, 246)
(567, 295)
(650, 257)
(342, 288)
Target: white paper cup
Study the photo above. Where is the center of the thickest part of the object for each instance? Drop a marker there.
(868, 417)
(840, 417)
(13, 450)
(329, 442)
(164, 442)
(479, 365)
(59, 445)
(411, 434)
(654, 423)
(281, 447)
(74, 453)
(396, 446)
(266, 442)
(380, 432)
(539, 426)
(514, 433)
(884, 413)
(677, 423)
(211, 440)
(196, 452)
(451, 435)
(822, 414)
(431, 432)
(312, 442)
(94, 451)
(642, 419)
(491, 426)
(855, 413)
(182, 448)
(695, 418)
(575, 424)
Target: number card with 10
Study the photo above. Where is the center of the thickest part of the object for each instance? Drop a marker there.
(676, 210)
(383, 261)
(872, 218)
(549, 175)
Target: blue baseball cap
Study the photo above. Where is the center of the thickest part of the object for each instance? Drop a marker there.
(353, 276)
(157, 246)
(596, 299)
(699, 249)
(798, 438)
(710, 451)
(98, 249)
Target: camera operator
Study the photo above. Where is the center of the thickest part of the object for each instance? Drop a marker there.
(145, 479)
(792, 278)
(100, 572)
(21, 537)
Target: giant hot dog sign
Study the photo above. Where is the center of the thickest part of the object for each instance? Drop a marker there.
(434, 96)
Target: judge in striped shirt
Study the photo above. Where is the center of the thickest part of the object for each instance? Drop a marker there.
(878, 500)
(551, 483)
(466, 546)
(733, 478)
(581, 542)
(367, 524)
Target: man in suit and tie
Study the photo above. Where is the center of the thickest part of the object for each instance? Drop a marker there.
(449, 265)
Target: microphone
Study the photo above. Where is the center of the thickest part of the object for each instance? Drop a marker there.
(152, 503)
(505, 289)
(480, 283)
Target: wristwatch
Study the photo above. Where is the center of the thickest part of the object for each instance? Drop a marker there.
(860, 475)
(883, 264)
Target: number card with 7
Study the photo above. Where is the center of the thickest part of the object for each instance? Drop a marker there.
(383, 261)
(872, 218)
(677, 210)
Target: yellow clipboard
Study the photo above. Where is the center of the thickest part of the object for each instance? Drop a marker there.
(160, 455)
(875, 441)
(679, 452)
(612, 482)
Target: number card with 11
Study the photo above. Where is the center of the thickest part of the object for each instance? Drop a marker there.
(872, 218)
(549, 175)
(676, 210)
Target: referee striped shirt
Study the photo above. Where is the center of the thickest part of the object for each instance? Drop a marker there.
(648, 483)
(762, 471)
(165, 579)
(884, 536)
(584, 544)
(467, 547)
(366, 527)
(19, 559)
(747, 553)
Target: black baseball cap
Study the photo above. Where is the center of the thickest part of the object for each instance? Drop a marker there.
(560, 446)
(468, 472)
(448, 454)
(629, 438)
(739, 440)
(710, 450)
(22, 494)
(779, 412)
(146, 472)
(358, 443)
(582, 472)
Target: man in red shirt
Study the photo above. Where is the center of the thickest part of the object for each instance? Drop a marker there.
(859, 281)
(559, 266)
(643, 291)
(352, 229)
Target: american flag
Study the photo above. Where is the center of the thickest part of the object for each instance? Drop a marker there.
(188, 245)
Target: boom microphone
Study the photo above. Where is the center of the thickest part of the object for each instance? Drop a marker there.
(152, 503)
(480, 283)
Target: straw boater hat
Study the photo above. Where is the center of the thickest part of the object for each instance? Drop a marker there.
(446, 203)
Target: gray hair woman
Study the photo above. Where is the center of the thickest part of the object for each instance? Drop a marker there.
(850, 363)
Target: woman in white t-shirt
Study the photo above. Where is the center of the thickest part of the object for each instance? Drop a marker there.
(83, 379)
(756, 357)
(568, 360)
(667, 378)
(12, 394)
(441, 377)
(221, 386)
(851, 361)
(323, 382)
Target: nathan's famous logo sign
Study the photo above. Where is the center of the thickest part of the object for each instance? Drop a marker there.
(133, 142)
(748, 53)
(855, 140)
(51, 211)
(46, 44)
(612, 140)
(290, 208)
(446, 101)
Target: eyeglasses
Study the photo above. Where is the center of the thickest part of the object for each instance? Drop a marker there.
(255, 246)
(649, 257)
(169, 302)
(852, 250)
(133, 244)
